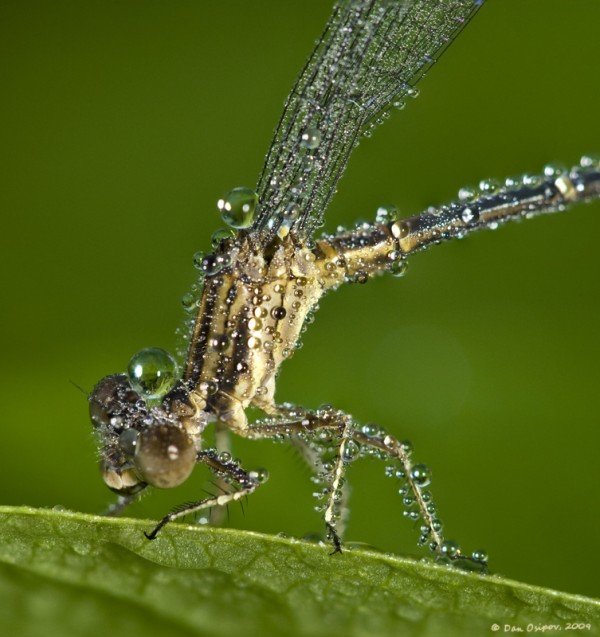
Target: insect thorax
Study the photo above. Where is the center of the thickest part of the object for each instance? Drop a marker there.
(248, 322)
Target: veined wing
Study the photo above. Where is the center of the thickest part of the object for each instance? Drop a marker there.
(369, 57)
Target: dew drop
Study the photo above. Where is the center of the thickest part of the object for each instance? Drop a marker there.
(467, 193)
(311, 138)
(220, 235)
(386, 214)
(531, 180)
(253, 342)
(278, 313)
(260, 475)
(399, 268)
(590, 161)
(421, 475)
(450, 549)
(351, 451)
(188, 301)
(198, 259)
(555, 170)
(488, 186)
(469, 215)
(237, 207)
(152, 372)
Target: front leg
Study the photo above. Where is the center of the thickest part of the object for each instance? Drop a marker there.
(227, 470)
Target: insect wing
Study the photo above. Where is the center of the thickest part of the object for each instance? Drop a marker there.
(369, 58)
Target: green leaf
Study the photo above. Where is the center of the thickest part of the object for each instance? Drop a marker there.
(73, 574)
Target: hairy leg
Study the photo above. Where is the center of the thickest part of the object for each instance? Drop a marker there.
(328, 428)
(228, 470)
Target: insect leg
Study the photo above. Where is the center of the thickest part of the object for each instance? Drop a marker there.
(223, 444)
(368, 249)
(229, 471)
(317, 461)
(326, 428)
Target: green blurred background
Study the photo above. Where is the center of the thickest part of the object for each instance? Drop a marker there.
(123, 122)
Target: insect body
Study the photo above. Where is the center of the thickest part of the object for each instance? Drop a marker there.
(267, 275)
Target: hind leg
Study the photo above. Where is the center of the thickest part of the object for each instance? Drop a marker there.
(329, 430)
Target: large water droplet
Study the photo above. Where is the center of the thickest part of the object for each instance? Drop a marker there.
(152, 372)
(237, 207)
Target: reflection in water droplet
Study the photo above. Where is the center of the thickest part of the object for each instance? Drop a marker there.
(238, 206)
(311, 138)
(152, 372)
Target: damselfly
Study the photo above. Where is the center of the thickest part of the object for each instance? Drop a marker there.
(267, 272)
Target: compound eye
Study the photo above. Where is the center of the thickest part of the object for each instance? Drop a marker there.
(112, 395)
(128, 441)
(164, 456)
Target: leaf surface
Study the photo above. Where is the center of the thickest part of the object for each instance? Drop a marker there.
(67, 573)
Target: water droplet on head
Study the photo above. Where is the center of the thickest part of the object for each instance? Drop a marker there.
(238, 206)
(370, 429)
(152, 372)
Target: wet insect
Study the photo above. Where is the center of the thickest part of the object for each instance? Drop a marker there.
(267, 273)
